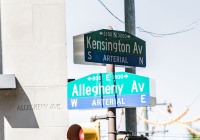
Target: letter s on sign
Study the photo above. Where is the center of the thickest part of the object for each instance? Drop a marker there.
(89, 55)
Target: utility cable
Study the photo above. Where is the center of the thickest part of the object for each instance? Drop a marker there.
(193, 131)
(166, 123)
(110, 12)
(195, 99)
(186, 29)
(185, 123)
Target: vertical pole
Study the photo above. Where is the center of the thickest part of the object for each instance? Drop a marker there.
(1, 58)
(99, 131)
(130, 113)
(111, 112)
(146, 125)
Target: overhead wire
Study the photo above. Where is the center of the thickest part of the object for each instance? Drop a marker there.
(186, 29)
(110, 12)
(192, 130)
(177, 119)
(195, 99)
(190, 122)
(172, 120)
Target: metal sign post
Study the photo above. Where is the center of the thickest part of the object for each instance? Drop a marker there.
(111, 111)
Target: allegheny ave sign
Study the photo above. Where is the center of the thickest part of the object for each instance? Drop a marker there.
(104, 90)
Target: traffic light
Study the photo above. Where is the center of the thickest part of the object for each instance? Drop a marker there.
(88, 131)
(135, 138)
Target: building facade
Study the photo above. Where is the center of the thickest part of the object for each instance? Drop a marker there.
(33, 50)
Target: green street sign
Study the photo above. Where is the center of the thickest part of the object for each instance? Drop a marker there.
(121, 83)
(109, 47)
(114, 47)
(101, 90)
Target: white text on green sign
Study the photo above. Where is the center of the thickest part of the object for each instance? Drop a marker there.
(107, 84)
(115, 47)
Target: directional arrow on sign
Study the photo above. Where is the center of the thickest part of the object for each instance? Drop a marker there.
(114, 47)
(89, 78)
(109, 47)
(126, 75)
(100, 91)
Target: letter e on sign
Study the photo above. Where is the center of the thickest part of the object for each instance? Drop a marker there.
(143, 99)
(107, 77)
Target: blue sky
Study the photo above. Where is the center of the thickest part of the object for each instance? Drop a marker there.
(172, 60)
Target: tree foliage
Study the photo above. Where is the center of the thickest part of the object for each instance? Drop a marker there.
(193, 136)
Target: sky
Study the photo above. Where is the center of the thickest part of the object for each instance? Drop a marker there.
(173, 59)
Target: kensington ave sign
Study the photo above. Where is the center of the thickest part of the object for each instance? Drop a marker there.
(114, 47)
